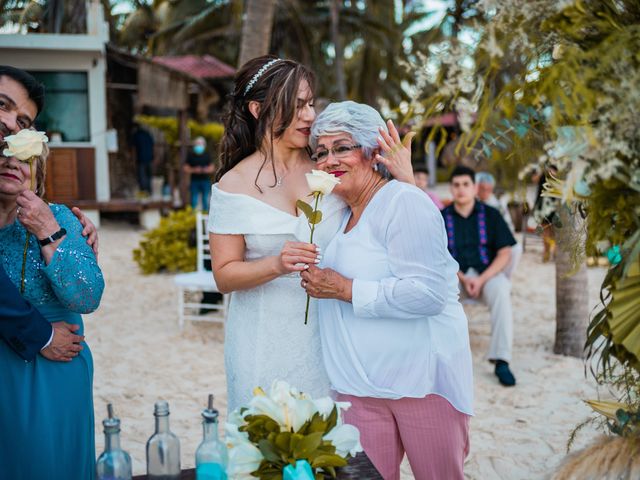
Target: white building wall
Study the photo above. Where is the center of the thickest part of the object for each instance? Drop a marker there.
(72, 53)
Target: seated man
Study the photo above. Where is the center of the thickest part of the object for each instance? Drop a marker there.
(486, 183)
(480, 241)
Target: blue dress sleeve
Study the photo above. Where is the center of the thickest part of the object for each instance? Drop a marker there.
(73, 272)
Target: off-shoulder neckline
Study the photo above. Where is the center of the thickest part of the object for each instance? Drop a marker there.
(215, 185)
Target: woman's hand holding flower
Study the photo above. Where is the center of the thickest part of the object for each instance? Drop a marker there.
(396, 153)
(35, 215)
(296, 256)
(326, 283)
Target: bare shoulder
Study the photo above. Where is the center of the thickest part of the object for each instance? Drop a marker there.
(241, 177)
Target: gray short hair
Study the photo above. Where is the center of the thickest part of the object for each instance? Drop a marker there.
(485, 177)
(357, 119)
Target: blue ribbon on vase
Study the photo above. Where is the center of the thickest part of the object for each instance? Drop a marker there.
(301, 471)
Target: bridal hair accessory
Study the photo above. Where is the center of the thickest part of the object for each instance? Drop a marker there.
(259, 73)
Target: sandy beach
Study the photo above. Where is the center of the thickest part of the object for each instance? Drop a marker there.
(141, 356)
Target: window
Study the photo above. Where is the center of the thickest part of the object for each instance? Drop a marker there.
(66, 105)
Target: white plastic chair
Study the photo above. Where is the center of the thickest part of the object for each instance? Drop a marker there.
(201, 280)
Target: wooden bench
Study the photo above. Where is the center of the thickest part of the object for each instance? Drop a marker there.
(148, 210)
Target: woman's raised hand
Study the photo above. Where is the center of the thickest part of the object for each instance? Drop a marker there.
(297, 256)
(396, 153)
(35, 215)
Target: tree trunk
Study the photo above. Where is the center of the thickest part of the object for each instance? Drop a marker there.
(572, 296)
(337, 46)
(256, 29)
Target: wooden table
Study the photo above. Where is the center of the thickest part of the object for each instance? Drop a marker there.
(359, 468)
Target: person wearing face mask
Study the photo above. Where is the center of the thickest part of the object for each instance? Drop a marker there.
(200, 167)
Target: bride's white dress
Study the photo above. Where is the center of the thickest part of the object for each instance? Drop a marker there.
(265, 336)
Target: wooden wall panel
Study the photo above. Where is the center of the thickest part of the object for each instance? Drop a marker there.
(86, 173)
(71, 175)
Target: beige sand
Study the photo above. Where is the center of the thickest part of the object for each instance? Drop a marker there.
(140, 356)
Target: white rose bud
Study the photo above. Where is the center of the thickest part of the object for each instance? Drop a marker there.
(25, 144)
(322, 182)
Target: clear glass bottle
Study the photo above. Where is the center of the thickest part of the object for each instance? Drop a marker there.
(114, 463)
(211, 455)
(163, 448)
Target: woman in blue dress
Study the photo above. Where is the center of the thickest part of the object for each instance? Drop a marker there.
(46, 408)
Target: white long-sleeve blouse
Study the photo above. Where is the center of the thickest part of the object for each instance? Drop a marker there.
(405, 333)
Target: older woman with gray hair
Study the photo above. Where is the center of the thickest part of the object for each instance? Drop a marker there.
(394, 335)
(485, 184)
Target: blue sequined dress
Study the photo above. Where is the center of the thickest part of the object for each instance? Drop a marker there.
(46, 408)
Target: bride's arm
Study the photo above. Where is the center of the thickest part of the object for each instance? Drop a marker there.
(232, 272)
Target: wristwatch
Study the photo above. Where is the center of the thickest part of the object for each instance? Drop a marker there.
(52, 238)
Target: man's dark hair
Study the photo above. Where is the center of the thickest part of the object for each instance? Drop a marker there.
(461, 171)
(34, 89)
(420, 170)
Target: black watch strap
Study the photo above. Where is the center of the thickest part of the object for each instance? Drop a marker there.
(52, 238)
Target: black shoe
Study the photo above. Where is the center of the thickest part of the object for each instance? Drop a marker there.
(503, 373)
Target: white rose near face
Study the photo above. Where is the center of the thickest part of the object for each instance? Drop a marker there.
(25, 144)
(322, 182)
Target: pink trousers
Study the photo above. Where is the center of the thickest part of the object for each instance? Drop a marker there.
(434, 435)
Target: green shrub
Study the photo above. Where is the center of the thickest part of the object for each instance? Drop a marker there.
(169, 247)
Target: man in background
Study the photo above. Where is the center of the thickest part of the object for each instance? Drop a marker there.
(142, 150)
(480, 241)
(486, 184)
(200, 167)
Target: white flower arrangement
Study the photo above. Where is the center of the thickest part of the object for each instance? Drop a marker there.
(275, 432)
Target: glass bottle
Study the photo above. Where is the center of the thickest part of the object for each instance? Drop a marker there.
(163, 448)
(211, 455)
(114, 463)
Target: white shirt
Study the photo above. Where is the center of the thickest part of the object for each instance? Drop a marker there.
(405, 333)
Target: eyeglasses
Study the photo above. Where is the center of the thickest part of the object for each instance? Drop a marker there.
(339, 151)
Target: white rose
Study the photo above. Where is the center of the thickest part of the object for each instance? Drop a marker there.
(300, 411)
(346, 439)
(266, 406)
(324, 406)
(281, 392)
(322, 182)
(25, 144)
(244, 458)
(233, 436)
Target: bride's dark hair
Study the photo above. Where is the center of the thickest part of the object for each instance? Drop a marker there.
(276, 89)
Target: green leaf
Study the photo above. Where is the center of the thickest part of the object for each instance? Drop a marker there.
(283, 443)
(316, 424)
(324, 461)
(333, 419)
(307, 445)
(305, 208)
(268, 450)
(315, 218)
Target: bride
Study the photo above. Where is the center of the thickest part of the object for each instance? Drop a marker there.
(257, 236)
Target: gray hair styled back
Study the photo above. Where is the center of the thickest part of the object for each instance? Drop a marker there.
(358, 120)
(485, 177)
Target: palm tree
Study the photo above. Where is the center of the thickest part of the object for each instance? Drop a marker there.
(256, 29)
(572, 292)
(48, 16)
